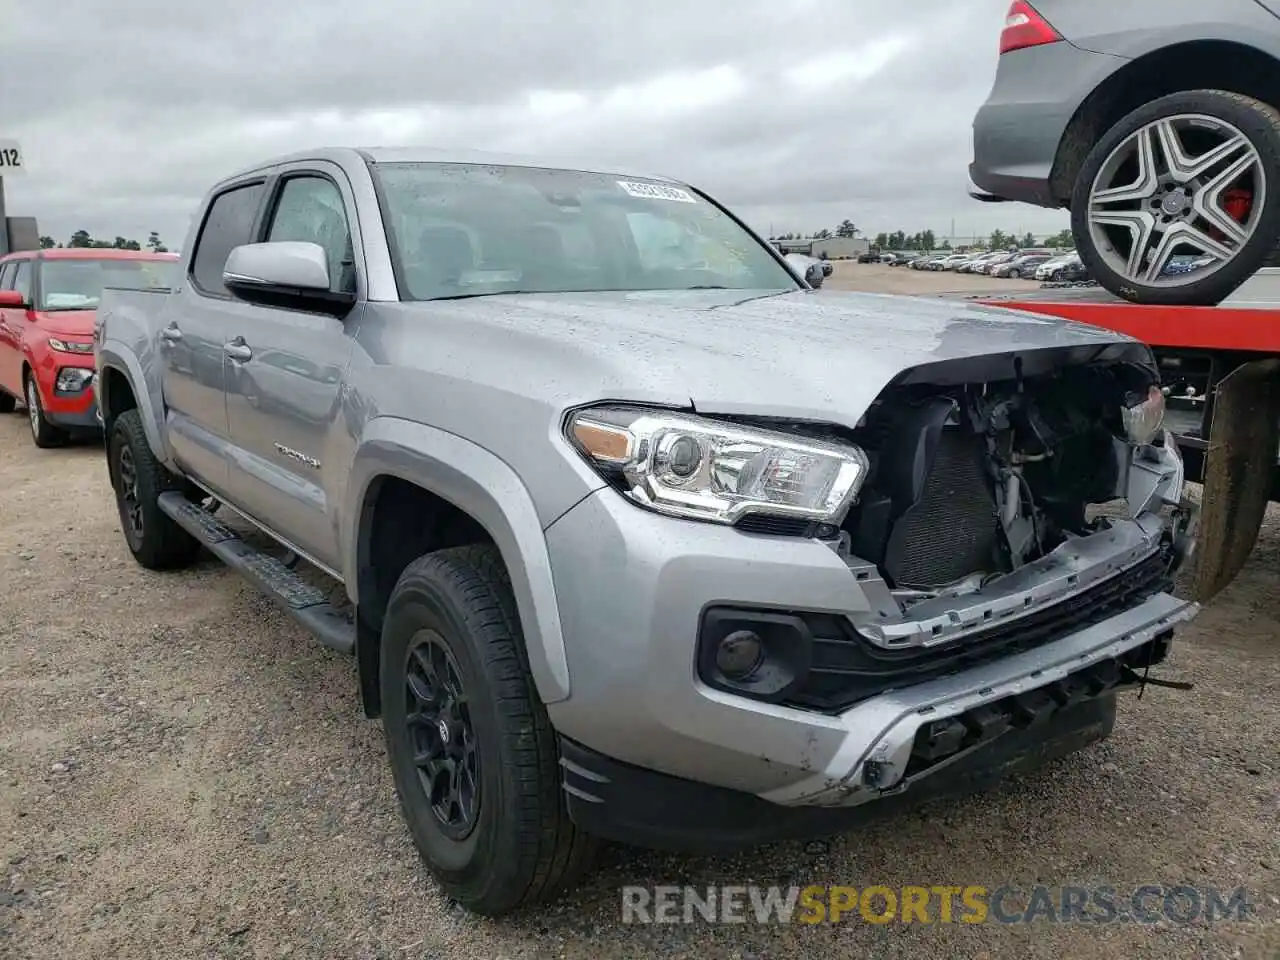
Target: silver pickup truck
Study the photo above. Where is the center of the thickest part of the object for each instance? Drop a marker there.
(640, 536)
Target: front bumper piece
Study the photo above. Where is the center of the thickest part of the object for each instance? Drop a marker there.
(881, 735)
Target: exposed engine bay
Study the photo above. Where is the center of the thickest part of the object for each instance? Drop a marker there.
(972, 482)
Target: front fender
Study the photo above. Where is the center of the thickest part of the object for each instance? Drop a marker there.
(116, 356)
(476, 481)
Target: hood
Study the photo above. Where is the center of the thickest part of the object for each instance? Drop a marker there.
(804, 355)
(66, 323)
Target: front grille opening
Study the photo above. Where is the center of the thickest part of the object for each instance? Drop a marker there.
(846, 668)
(952, 531)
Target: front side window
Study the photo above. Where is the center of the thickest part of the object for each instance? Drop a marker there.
(8, 270)
(22, 279)
(310, 209)
(77, 284)
(475, 230)
(228, 224)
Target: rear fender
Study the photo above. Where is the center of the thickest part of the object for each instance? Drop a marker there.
(477, 482)
(146, 391)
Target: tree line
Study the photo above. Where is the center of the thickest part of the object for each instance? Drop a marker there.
(82, 240)
(845, 228)
(999, 240)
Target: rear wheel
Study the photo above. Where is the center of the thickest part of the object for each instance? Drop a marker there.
(1015, 274)
(43, 432)
(138, 478)
(472, 752)
(1191, 175)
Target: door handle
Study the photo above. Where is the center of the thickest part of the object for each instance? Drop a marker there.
(237, 350)
(171, 333)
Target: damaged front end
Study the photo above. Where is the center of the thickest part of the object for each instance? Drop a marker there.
(986, 501)
(1016, 542)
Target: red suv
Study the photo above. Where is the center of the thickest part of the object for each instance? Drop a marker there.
(47, 304)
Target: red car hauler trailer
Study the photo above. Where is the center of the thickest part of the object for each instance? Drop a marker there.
(1221, 369)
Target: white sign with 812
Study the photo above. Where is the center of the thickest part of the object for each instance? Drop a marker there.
(11, 161)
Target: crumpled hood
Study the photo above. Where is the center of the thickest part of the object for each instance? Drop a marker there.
(66, 323)
(807, 355)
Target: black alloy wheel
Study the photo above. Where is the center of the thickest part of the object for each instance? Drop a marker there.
(439, 726)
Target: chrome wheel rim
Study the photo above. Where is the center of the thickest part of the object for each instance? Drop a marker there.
(33, 406)
(1163, 193)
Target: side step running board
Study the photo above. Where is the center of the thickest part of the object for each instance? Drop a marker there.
(305, 603)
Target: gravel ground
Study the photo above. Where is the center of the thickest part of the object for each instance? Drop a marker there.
(185, 774)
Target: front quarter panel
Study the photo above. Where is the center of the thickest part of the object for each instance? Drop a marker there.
(479, 483)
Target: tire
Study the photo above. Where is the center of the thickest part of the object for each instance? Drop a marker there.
(1015, 274)
(7, 403)
(138, 479)
(43, 433)
(1259, 123)
(518, 846)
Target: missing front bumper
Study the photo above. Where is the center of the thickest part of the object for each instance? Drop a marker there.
(881, 735)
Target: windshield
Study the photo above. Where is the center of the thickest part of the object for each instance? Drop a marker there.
(77, 284)
(463, 230)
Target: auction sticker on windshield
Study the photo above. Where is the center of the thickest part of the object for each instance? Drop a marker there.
(656, 191)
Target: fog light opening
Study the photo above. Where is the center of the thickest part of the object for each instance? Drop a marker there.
(740, 654)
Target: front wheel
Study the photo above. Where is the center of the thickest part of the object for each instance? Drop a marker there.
(1015, 274)
(43, 433)
(473, 754)
(1190, 175)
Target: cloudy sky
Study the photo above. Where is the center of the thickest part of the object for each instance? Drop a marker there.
(798, 113)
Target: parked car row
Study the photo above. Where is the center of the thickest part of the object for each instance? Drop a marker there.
(47, 304)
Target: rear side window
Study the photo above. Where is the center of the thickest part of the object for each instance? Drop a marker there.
(228, 225)
(22, 282)
(7, 272)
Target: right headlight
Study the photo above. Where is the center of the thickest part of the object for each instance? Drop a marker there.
(702, 469)
(1142, 421)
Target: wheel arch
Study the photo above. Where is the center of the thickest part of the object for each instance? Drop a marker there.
(121, 385)
(471, 483)
(1231, 64)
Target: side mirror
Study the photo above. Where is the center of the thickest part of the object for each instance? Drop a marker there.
(285, 273)
(13, 298)
(806, 267)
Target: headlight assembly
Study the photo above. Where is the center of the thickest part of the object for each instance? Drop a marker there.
(69, 346)
(1142, 421)
(702, 469)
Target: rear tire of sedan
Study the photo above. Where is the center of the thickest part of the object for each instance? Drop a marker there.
(473, 754)
(1191, 173)
(138, 478)
(43, 433)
